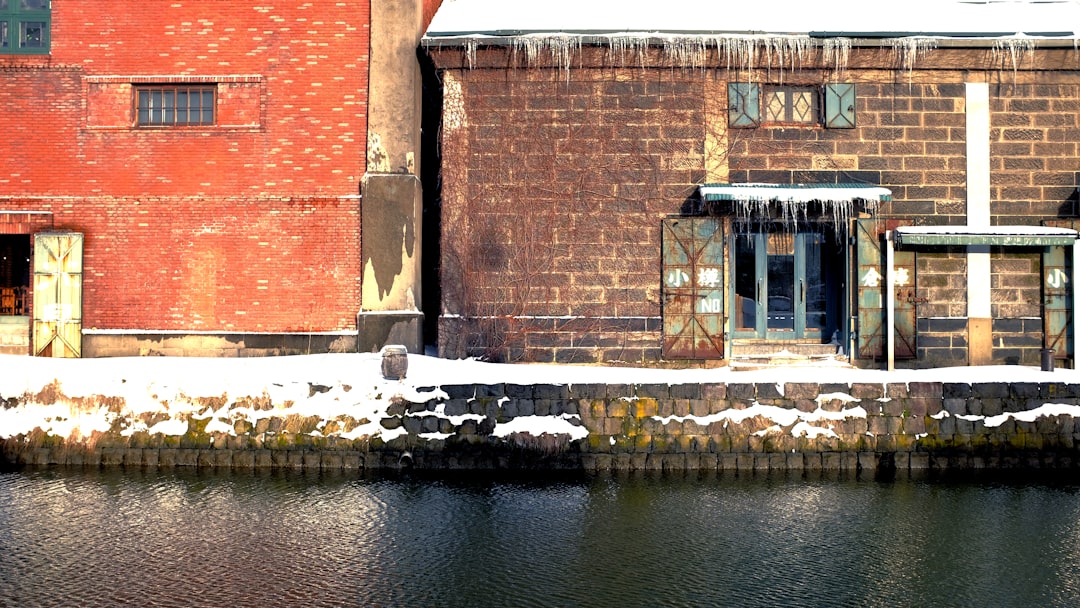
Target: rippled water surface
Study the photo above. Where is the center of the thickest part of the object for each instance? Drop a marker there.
(74, 537)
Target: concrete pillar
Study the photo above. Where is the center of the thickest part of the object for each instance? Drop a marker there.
(392, 204)
(980, 334)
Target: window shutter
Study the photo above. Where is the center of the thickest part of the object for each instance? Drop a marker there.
(870, 292)
(744, 106)
(840, 106)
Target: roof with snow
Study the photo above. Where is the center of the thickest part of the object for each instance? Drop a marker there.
(1041, 20)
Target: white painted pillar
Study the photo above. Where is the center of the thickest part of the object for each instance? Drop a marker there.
(890, 303)
(980, 339)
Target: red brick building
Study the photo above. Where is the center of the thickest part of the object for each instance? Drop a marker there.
(189, 171)
(781, 181)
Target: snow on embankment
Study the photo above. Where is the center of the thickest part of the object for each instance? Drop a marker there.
(345, 396)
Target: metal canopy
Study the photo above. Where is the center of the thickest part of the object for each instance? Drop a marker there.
(794, 193)
(1001, 236)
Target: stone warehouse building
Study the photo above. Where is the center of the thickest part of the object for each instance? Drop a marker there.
(781, 180)
(209, 177)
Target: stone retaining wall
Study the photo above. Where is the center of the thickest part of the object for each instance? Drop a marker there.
(865, 427)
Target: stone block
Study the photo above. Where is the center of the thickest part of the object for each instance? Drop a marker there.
(712, 392)
(802, 390)
(849, 461)
(618, 408)
(868, 462)
(897, 390)
(699, 408)
(331, 461)
(794, 461)
(931, 390)
(653, 391)
(1025, 390)
(681, 407)
(955, 390)
(830, 461)
(685, 391)
(981, 390)
(741, 391)
(919, 461)
(769, 390)
(955, 407)
(492, 391)
(727, 462)
(895, 407)
(914, 425)
(243, 459)
(867, 390)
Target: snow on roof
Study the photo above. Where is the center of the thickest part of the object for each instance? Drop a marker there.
(802, 193)
(833, 18)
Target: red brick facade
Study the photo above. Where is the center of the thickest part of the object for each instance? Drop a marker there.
(247, 225)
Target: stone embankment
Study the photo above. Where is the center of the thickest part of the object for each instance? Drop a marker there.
(878, 428)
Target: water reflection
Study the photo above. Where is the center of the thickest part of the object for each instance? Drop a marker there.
(199, 538)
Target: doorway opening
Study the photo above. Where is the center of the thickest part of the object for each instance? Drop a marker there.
(14, 275)
(788, 282)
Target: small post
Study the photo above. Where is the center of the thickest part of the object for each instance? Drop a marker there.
(1047, 359)
(395, 361)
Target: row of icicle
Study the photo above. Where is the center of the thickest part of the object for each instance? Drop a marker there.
(745, 52)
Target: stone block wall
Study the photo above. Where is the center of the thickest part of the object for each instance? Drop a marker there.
(556, 177)
(868, 427)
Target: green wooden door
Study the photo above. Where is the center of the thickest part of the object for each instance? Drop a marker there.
(870, 292)
(693, 288)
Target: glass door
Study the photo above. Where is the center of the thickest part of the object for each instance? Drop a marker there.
(784, 284)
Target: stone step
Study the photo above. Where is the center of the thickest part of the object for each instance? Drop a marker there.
(779, 359)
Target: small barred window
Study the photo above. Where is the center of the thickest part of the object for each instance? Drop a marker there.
(174, 105)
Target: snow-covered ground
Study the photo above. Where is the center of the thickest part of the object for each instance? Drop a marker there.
(75, 397)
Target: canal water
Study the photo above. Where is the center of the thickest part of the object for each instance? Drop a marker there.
(116, 537)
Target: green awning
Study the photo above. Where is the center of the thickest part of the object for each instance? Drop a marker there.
(1000, 236)
(795, 193)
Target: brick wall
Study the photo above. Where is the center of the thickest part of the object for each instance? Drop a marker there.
(556, 177)
(248, 225)
(556, 188)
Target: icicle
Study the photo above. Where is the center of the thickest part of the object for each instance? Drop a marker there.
(1015, 49)
(909, 49)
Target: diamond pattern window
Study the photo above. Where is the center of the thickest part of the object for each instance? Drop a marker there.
(791, 104)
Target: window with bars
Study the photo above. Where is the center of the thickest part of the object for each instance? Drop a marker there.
(174, 105)
(24, 26)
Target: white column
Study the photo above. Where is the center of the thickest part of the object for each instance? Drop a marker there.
(890, 303)
(978, 196)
